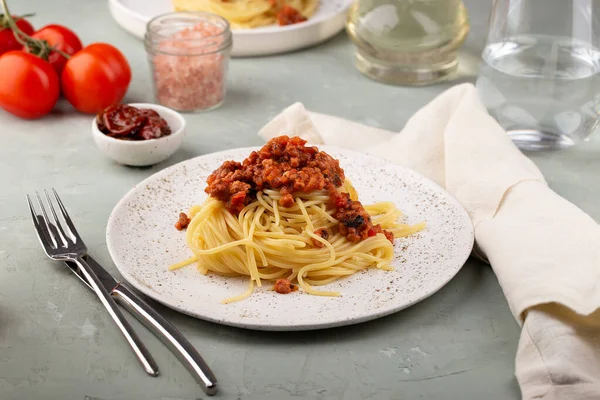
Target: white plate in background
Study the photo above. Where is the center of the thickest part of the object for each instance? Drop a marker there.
(328, 20)
(143, 242)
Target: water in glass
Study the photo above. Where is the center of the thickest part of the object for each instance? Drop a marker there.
(542, 81)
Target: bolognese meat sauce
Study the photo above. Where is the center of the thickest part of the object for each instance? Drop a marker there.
(182, 222)
(284, 286)
(288, 15)
(322, 232)
(286, 164)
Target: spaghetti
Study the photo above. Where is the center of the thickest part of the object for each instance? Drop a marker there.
(253, 13)
(271, 232)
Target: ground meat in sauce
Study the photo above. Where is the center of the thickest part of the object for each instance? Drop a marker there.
(284, 286)
(283, 163)
(286, 164)
(288, 15)
(182, 222)
(324, 234)
(125, 122)
(355, 222)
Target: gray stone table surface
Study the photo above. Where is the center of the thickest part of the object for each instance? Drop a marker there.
(56, 340)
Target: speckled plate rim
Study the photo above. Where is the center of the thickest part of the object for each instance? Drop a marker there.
(463, 218)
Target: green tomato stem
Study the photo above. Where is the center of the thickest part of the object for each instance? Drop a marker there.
(13, 24)
(42, 46)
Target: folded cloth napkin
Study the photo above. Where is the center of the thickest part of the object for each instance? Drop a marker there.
(544, 250)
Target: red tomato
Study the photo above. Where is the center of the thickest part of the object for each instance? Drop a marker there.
(63, 39)
(29, 86)
(96, 77)
(8, 41)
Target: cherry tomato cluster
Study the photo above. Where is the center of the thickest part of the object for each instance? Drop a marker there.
(37, 66)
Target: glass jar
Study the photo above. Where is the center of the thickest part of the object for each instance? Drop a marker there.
(407, 42)
(189, 54)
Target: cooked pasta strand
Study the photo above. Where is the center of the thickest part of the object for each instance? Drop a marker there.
(267, 242)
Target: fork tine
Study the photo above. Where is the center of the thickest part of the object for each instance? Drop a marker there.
(42, 235)
(56, 221)
(33, 214)
(45, 218)
(70, 227)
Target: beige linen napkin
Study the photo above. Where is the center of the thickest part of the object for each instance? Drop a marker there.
(544, 250)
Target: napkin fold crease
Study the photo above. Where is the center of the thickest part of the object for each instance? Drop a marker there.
(544, 250)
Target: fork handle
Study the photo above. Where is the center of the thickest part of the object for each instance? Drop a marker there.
(134, 341)
(169, 335)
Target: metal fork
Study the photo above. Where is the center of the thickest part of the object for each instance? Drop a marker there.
(61, 242)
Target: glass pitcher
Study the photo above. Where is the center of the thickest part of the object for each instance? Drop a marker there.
(407, 42)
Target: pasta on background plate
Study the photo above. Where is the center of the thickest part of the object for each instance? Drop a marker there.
(243, 14)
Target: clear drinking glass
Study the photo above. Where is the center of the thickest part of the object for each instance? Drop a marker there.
(539, 75)
(407, 42)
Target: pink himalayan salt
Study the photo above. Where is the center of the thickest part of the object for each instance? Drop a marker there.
(195, 81)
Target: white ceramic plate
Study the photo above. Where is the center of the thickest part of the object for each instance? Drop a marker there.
(328, 20)
(143, 242)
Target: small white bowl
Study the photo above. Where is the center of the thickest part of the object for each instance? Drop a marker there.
(141, 153)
